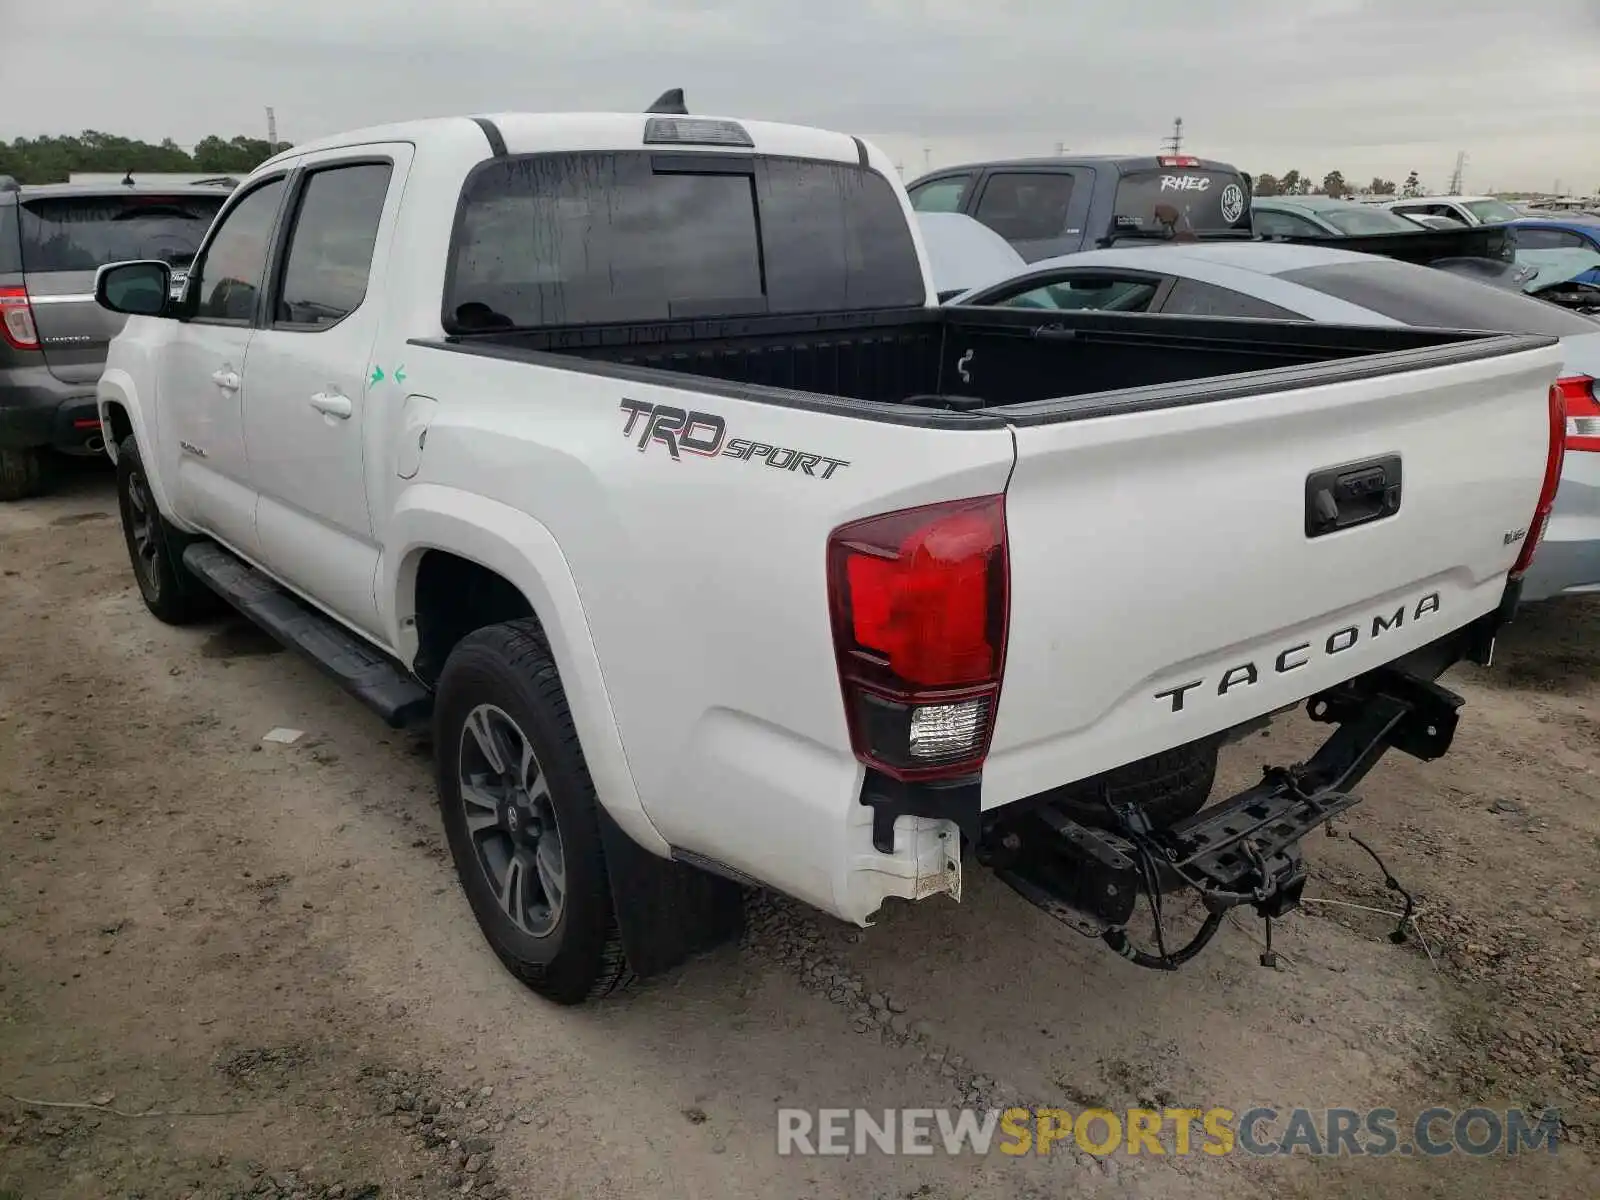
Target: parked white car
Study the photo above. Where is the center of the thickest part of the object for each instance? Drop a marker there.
(637, 451)
(1311, 283)
(964, 253)
(1466, 210)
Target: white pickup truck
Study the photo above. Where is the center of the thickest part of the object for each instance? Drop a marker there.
(636, 451)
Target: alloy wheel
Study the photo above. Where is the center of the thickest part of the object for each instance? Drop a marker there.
(511, 822)
(144, 531)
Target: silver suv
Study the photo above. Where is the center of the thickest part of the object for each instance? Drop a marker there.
(53, 337)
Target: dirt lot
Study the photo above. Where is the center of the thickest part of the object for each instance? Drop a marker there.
(265, 945)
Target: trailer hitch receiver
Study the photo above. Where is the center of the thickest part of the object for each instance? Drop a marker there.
(1245, 850)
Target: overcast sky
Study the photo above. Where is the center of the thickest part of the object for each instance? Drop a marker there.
(1365, 86)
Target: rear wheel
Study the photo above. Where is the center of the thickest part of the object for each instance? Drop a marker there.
(170, 592)
(521, 815)
(21, 472)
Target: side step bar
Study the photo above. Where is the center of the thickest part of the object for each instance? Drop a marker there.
(379, 683)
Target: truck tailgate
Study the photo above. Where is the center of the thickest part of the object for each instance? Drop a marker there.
(1165, 585)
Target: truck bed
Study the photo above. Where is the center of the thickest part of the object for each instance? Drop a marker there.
(927, 362)
(1235, 599)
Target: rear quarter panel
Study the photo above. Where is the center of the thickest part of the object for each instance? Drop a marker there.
(702, 585)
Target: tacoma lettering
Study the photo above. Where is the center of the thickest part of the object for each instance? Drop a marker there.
(1242, 676)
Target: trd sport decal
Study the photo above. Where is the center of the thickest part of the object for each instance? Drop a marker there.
(683, 431)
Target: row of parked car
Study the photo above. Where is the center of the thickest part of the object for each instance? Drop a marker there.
(1174, 235)
(1052, 206)
(1179, 235)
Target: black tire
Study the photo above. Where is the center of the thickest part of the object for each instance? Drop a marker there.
(21, 472)
(505, 671)
(1168, 787)
(155, 549)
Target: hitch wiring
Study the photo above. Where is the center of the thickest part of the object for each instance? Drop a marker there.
(1137, 828)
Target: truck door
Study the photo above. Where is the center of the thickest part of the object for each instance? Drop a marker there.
(201, 376)
(313, 380)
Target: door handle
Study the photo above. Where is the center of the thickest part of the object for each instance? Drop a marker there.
(226, 379)
(332, 404)
(1352, 494)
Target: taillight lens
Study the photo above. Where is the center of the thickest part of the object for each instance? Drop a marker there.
(1178, 160)
(16, 319)
(920, 601)
(1554, 461)
(1583, 412)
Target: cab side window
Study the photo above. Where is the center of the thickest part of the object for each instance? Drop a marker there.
(941, 195)
(229, 277)
(1026, 207)
(1282, 224)
(1549, 239)
(1097, 292)
(330, 249)
(1194, 299)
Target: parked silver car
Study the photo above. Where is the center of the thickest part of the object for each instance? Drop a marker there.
(1313, 283)
(965, 253)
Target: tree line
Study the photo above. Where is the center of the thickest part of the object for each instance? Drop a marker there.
(52, 159)
(1296, 183)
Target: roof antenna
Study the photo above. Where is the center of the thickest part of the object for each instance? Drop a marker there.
(670, 103)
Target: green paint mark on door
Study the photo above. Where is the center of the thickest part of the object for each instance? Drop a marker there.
(400, 373)
(377, 375)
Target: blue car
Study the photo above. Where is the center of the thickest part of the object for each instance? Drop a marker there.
(1561, 233)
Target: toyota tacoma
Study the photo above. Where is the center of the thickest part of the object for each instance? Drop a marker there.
(635, 453)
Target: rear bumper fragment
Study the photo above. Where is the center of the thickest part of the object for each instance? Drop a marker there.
(36, 409)
(1244, 850)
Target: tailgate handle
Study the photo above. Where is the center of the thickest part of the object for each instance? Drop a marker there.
(1352, 494)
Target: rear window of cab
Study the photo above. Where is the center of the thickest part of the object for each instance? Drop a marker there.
(577, 239)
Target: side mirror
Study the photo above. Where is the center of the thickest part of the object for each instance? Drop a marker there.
(139, 289)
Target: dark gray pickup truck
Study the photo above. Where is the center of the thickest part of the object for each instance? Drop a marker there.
(1051, 206)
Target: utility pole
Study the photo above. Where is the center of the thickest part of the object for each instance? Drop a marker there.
(272, 131)
(1061, 149)
(1456, 175)
(927, 158)
(1174, 144)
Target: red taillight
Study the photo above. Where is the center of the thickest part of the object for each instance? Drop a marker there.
(1178, 160)
(1554, 461)
(16, 319)
(1583, 412)
(920, 601)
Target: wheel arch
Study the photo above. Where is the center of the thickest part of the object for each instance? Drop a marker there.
(482, 540)
(121, 415)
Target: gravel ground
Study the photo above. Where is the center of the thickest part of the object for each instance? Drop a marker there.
(251, 967)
